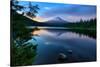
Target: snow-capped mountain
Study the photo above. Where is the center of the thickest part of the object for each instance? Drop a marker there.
(56, 20)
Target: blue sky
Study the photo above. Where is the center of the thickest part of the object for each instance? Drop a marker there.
(68, 12)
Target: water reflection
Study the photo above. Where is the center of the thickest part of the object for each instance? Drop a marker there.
(51, 43)
(60, 33)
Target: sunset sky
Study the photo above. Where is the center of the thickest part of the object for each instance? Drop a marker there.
(68, 12)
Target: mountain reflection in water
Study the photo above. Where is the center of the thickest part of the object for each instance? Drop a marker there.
(53, 42)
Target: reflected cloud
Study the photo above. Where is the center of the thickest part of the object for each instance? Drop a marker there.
(43, 32)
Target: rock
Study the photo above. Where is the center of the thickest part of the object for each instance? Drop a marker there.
(62, 57)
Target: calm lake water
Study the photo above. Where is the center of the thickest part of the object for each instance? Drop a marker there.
(75, 46)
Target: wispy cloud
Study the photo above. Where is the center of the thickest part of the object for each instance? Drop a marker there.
(70, 12)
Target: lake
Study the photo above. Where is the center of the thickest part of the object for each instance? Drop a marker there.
(76, 47)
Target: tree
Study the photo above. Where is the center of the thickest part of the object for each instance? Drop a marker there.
(21, 54)
(32, 10)
(15, 7)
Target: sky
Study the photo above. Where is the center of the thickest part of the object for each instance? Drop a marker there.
(68, 12)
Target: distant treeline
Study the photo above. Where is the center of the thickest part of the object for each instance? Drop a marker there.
(84, 27)
(91, 24)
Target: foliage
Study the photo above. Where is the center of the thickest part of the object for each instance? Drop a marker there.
(83, 24)
(15, 7)
(83, 27)
(32, 10)
(20, 54)
(30, 13)
(19, 27)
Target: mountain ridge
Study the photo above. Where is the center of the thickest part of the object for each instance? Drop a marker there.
(57, 20)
